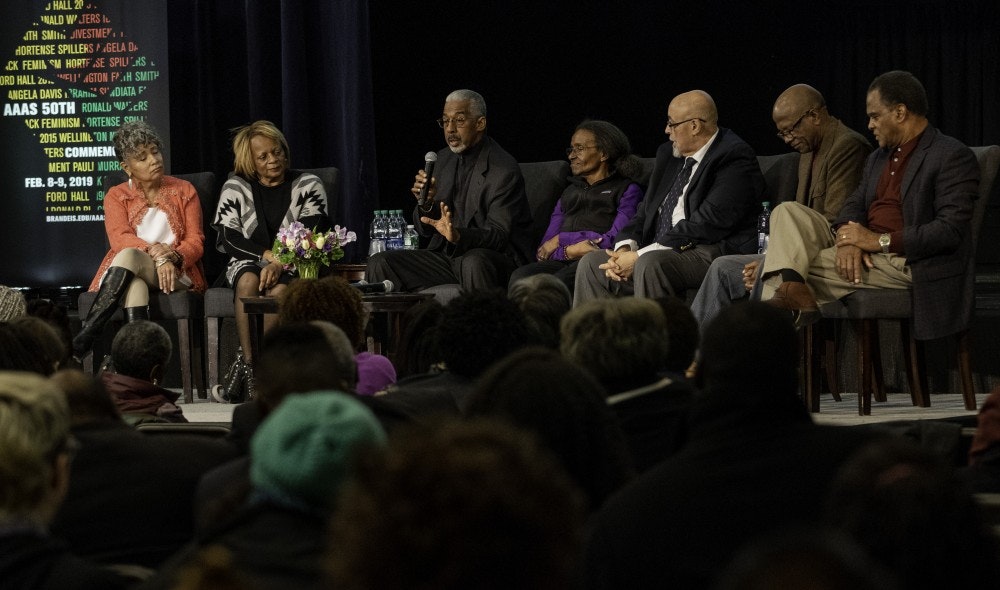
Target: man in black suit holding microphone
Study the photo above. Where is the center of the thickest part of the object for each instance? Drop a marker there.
(471, 204)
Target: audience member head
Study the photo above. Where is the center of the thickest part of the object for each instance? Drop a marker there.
(801, 116)
(691, 121)
(88, 400)
(331, 299)
(300, 357)
(683, 334)
(469, 505)
(55, 314)
(12, 304)
(35, 448)
(418, 345)
(908, 508)
(463, 120)
(543, 300)
(479, 328)
(537, 390)
(986, 441)
(622, 342)
(212, 568)
(141, 349)
(804, 558)
(30, 344)
(749, 355)
(304, 449)
(897, 108)
(612, 143)
(248, 142)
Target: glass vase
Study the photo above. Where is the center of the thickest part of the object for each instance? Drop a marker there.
(308, 269)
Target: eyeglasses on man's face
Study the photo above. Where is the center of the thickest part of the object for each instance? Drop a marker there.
(786, 133)
(460, 121)
(671, 126)
(578, 149)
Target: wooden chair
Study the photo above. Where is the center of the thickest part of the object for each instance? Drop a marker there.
(866, 307)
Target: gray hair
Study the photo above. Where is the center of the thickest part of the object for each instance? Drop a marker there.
(132, 137)
(138, 347)
(544, 300)
(12, 304)
(476, 101)
(620, 341)
(34, 430)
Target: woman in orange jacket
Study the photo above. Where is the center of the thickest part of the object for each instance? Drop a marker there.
(154, 227)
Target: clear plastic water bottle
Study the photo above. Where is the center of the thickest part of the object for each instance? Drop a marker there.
(377, 233)
(394, 231)
(764, 228)
(411, 239)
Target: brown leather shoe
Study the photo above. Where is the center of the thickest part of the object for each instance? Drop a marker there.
(794, 296)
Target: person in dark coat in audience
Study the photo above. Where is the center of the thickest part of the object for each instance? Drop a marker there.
(754, 462)
(538, 391)
(139, 356)
(478, 329)
(36, 450)
(544, 300)
(624, 344)
(299, 458)
(983, 472)
(457, 505)
(131, 496)
(912, 513)
(294, 358)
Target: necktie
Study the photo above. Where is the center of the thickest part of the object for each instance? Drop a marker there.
(666, 210)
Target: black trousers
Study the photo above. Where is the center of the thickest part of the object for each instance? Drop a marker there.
(413, 270)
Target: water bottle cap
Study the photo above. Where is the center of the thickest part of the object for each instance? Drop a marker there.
(767, 203)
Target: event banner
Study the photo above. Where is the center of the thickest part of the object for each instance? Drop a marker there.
(71, 72)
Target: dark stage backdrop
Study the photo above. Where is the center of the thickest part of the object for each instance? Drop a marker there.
(341, 77)
(544, 66)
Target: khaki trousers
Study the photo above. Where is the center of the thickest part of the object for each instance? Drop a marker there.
(801, 240)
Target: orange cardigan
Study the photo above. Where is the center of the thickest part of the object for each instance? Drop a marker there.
(125, 208)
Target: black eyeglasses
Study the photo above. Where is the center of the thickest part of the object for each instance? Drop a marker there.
(578, 149)
(459, 122)
(788, 132)
(672, 126)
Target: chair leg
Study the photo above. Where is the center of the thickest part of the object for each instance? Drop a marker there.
(864, 367)
(878, 378)
(965, 370)
(913, 357)
(184, 345)
(828, 332)
(212, 326)
(810, 379)
(198, 358)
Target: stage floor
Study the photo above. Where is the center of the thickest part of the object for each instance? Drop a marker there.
(845, 412)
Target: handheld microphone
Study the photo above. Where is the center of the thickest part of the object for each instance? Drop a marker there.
(385, 286)
(429, 159)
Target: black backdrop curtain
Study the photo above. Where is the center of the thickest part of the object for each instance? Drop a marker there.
(303, 65)
(340, 76)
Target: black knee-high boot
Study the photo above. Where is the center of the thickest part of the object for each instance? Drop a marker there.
(112, 290)
(140, 312)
